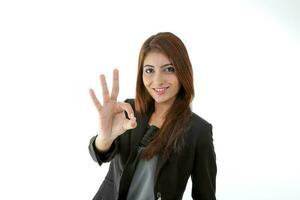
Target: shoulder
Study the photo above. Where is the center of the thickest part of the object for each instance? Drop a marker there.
(198, 123)
(198, 129)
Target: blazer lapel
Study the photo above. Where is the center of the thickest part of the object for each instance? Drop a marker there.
(138, 133)
(160, 163)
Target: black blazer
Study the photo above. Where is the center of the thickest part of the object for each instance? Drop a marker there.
(197, 159)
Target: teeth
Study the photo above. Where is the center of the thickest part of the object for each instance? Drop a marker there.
(160, 89)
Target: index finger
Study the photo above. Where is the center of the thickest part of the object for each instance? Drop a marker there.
(115, 87)
(105, 92)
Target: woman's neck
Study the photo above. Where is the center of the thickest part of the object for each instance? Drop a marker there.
(162, 108)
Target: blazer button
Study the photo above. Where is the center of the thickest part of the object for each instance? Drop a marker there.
(158, 195)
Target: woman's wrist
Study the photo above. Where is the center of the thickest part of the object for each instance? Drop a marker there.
(103, 145)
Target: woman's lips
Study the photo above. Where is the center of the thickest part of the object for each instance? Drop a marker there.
(160, 91)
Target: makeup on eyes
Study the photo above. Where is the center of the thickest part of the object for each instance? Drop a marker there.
(166, 66)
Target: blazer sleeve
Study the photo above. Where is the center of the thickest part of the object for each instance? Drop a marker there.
(205, 169)
(102, 157)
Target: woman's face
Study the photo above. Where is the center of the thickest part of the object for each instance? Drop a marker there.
(160, 77)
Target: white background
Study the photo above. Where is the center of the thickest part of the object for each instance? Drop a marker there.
(245, 56)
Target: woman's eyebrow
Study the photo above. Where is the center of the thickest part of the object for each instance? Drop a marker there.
(160, 66)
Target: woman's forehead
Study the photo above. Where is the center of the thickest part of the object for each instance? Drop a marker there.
(156, 59)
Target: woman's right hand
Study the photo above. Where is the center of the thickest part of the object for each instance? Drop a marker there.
(112, 119)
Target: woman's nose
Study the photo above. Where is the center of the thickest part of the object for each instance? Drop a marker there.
(158, 78)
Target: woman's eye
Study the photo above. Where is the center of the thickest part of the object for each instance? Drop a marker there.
(149, 70)
(170, 69)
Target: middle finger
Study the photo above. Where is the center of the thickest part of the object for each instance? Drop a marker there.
(115, 88)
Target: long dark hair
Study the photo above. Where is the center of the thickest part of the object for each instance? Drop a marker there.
(169, 138)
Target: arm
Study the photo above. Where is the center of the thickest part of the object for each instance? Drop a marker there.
(103, 156)
(205, 168)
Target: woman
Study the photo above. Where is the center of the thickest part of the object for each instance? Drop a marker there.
(154, 142)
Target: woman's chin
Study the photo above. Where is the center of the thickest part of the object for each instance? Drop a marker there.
(161, 99)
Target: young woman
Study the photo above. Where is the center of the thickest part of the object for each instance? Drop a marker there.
(154, 142)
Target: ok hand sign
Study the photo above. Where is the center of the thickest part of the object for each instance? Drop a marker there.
(112, 120)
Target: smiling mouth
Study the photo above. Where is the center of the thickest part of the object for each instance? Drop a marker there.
(160, 90)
